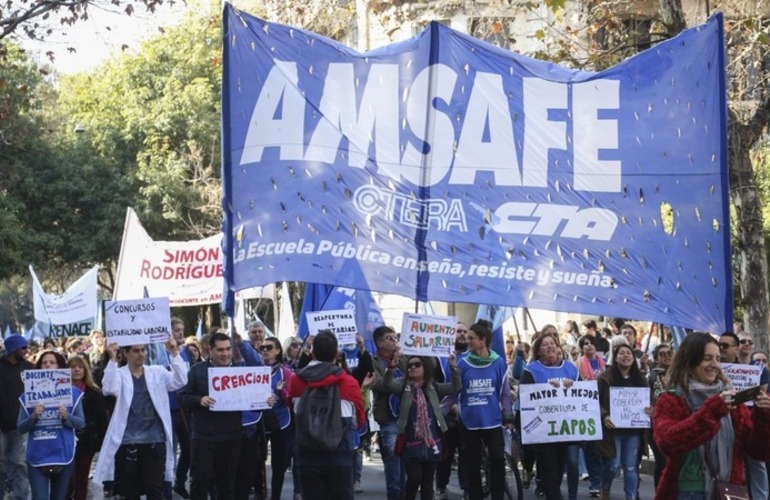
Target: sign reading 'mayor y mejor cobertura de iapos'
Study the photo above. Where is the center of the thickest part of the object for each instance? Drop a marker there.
(445, 168)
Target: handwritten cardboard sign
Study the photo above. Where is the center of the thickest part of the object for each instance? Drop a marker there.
(50, 388)
(141, 321)
(556, 414)
(424, 335)
(342, 322)
(742, 376)
(627, 406)
(237, 388)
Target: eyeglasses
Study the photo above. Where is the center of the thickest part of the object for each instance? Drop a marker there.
(415, 364)
(760, 360)
(664, 354)
(747, 341)
(462, 330)
(267, 348)
(723, 345)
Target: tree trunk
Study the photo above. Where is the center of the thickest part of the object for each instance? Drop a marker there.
(750, 238)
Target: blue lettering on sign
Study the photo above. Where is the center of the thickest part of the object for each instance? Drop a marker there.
(442, 168)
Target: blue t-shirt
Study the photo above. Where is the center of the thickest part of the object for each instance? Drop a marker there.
(143, 425)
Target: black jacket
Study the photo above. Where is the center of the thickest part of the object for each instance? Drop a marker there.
(11, 388)
(91, 436)
(207, 425)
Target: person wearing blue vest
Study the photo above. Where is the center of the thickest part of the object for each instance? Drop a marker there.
(546, 368)
(51, 439)
(281, 431)
(485, 406)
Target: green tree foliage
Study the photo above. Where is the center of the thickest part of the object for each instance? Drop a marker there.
(155, 115)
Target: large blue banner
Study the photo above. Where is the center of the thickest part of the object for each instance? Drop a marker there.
(444, 168)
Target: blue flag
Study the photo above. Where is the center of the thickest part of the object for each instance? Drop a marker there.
(445, 168)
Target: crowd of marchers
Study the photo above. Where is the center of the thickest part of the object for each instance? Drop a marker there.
(146, 414)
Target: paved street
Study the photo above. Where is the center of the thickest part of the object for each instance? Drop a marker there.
(373, 482)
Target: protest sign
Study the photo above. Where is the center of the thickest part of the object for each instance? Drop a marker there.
(742, 376)
(341, 322)
(627, 406)
(424, 335)
(50, 388)
(142, 321)
(237, 388)
(556, 414)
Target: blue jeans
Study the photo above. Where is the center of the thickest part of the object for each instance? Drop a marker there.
(627, 457)
(395, 472)
(593, 465)
(13, 461)
(50, 486)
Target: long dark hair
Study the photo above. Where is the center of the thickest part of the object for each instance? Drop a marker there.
(614, 376)
(687, 358)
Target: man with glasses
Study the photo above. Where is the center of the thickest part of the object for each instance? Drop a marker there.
(12, 444)
(728, 347)
(386, 406)
(745, 348)
(450, 408)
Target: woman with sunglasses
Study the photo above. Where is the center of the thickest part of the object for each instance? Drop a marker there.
(277, 420)
(420, 423)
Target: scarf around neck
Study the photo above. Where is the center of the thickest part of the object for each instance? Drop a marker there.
(587, 371)
(718, 451)
(422, 422)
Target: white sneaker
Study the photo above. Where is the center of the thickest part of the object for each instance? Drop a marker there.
(357, 487)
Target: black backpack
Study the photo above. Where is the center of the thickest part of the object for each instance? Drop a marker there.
(319, 423)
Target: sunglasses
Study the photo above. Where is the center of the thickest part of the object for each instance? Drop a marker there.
(267, 348)
(664, 354)
(294, 344)
(509, 341)
(725, 346)
(747, 341)
(462, 330)
(415, 364)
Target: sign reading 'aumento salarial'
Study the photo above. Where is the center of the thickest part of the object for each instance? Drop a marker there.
(445, 168)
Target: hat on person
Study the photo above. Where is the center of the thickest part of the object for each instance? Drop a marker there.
(14, 343)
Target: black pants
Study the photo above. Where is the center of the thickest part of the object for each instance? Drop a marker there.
(142, 467)
(495, 443)
(250, 462)
(281, 450)
(419, 475)
(326, 482)
(213, 462)
(182, 437)
(444, 468)
(551, 460)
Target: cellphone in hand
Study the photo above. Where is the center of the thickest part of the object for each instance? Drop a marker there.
(745, 395)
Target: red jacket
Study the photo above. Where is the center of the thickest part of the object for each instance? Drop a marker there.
(677, 430)
(349, 391)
